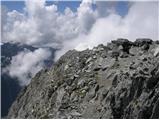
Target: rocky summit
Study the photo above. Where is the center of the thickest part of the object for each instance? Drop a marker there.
(120, 80)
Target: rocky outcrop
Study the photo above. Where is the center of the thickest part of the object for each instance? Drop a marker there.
(120, 80)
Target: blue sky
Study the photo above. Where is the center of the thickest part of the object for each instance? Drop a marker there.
(121, 6)
(19, 5)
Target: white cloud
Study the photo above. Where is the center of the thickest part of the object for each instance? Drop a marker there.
(140, 22)
(43, 25)
(26, 64)
(86, 16)
(104, 9)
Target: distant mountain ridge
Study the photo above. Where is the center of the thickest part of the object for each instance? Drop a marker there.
(120, 80)
(10, 86)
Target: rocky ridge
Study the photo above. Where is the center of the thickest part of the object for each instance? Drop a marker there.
(120, 80)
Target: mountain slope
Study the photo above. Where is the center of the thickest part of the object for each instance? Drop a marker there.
(10, 86)
(120, 80)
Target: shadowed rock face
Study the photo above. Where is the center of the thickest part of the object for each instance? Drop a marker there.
(93, 84)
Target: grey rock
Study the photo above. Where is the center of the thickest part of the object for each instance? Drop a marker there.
(115, 54)
(87, 85)
(125, 43)
(142, 41)
(81, 82)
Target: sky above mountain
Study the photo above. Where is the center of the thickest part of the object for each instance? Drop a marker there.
(76, 24)
(121, 6)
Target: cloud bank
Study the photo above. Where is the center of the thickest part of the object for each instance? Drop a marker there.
(26, 64)
(139, 22)
(43, 25)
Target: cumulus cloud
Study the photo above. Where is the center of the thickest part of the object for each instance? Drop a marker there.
(43, 25)
(26, 64)
(86, 16)
(140, 22)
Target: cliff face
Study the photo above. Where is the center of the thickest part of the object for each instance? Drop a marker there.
(120, 80)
